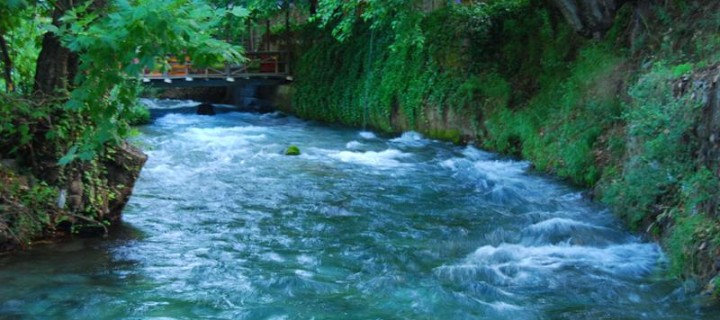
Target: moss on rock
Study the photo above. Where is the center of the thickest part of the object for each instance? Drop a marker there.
(292, 150)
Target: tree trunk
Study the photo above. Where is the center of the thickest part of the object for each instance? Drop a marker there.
(51, 73)
(57, 66)
(287, 25)
(267, 34)
(7, 63)
(313, 6)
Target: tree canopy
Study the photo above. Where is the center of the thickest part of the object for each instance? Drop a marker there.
(89, 53)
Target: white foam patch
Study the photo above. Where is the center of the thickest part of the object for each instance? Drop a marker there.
(507, 180)
(560, 225)
(481, 166)
(502, 170)
(570, 197)
(451, 164)
(219, 132)
(223, 138)
(476, 154)
(502, 181)
(271, 115)
(367, 135)
(168, 104)
(303, 273)
(412, 139)
(387, 158)
(354, 145)
(633, 259)
(174, 119)
(306, 260)
(500, 306)
(471, 156)
(171, 175)
(272, 256)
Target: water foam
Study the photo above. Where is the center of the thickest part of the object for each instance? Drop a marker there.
(560, 225)
(561, 229)
(175, 120)
(354, 145)
(497, 170)
(168, 104)
(367, 135)
(383, 159)
(213, 137)
(411, 139)
(627, 260)
(476, 154)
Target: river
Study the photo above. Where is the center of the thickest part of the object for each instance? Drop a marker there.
(222, 225)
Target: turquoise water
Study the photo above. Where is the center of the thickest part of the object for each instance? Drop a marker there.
(223, 226)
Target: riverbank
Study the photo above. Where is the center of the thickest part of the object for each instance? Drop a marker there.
(631, 115)
(44, 196)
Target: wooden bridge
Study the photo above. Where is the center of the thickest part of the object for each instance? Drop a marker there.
(273, 66)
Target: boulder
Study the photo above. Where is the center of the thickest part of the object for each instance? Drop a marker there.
(123, 169)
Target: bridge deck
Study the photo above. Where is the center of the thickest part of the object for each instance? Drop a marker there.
(260, 65)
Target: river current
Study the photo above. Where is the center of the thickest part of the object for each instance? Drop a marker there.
(222, 225)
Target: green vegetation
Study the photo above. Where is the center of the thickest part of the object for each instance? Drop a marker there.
(70, 95)
(33, 208)
(518, 83)
(513, 76)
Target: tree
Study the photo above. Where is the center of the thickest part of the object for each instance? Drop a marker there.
(401, 16)
(55, 63)
(115, 43)
(86, 83)
(93, 51)
(7, 64)
(10, 12)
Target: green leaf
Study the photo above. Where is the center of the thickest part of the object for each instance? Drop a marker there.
(68, 157)
(239, 12)
(86, 155)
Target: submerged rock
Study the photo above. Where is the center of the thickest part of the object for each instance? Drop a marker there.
(206, 109)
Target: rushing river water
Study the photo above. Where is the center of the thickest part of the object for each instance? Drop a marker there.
(222, 225)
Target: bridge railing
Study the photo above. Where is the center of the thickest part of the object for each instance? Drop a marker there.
(259, 64)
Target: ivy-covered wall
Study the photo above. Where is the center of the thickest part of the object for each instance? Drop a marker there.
(511, 87)
(515, 78)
